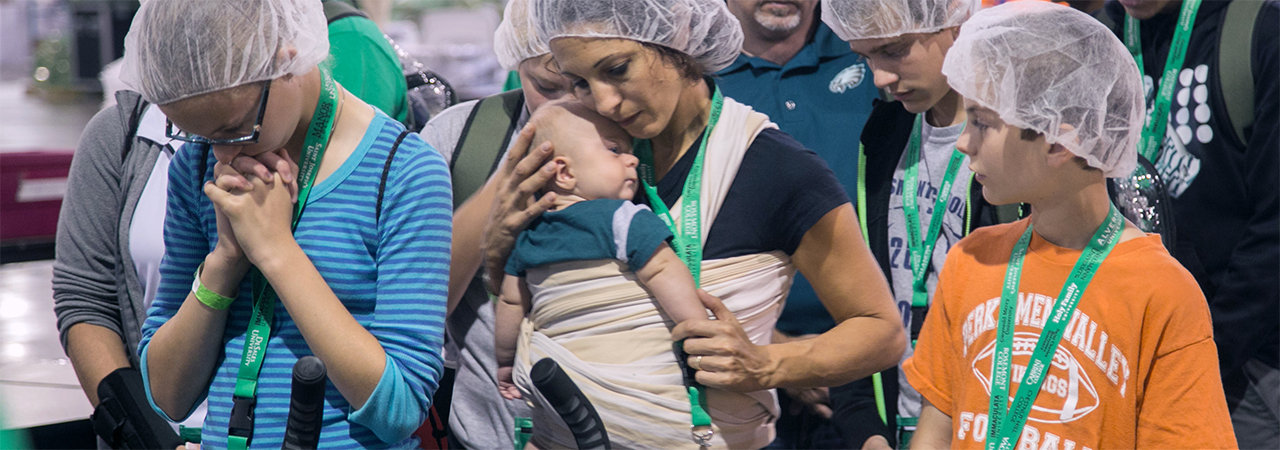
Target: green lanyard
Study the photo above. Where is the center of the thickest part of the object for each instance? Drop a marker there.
(1004, 427)
(240, 431)
(1158, 118)
(861, 200)
(688, 237)
(921, 250)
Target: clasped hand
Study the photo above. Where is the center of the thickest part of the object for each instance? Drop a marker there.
(253, 199)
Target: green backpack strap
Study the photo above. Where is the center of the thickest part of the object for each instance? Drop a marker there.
(1235, 63)
(478, 154)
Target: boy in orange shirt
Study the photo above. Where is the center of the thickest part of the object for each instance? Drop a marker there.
(1086, 333)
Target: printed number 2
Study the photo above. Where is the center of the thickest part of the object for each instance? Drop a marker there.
(896, 245)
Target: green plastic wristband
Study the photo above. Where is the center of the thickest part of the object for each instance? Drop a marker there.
(209, 298)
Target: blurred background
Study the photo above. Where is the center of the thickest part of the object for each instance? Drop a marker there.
(56, 72)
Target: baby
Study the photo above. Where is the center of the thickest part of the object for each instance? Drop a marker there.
(592, 219)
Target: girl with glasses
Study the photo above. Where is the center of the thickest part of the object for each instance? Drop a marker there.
(338, 247)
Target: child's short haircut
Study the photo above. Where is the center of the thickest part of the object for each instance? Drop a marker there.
(1058, 72)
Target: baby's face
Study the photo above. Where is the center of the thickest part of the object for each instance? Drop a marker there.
(598, 155)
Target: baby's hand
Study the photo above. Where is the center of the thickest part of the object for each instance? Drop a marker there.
(506, 386)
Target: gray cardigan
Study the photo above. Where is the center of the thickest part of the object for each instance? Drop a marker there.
(479, 417)
(94, 279)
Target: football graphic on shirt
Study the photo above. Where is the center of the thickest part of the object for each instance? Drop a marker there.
(1067, 393)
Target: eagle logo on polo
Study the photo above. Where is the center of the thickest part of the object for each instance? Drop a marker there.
(848, 78)
(1189, 117)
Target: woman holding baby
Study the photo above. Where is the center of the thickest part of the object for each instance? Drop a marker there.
(744, 199)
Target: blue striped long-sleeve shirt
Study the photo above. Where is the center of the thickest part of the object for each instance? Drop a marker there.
(392, 275)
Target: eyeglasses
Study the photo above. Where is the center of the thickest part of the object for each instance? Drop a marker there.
(175, 133)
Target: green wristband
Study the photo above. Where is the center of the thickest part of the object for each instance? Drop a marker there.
(209, 298)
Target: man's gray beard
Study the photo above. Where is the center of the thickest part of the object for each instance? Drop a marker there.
(775, 23)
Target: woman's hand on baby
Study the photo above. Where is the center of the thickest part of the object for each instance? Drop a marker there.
(517, 182)
(263, 165)
(506, 385)
(722, 353)
(259, 217)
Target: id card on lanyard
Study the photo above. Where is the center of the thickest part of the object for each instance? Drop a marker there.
(688, 237)
(240, 429)
(1004, 424)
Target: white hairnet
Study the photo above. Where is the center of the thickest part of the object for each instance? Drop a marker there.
(702, 29)
(177, 49)
(1055, 70)
(872, 19)
(514, 40)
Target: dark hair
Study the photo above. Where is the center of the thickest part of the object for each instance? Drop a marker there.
(1028, 135)
(688, 67)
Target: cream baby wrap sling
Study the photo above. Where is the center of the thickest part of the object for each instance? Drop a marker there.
(604, 329)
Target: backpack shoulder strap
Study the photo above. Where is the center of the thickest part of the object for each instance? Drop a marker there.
(478, 154)
(1235, 63)
(338, 9)
(386, 169)
(134, 117)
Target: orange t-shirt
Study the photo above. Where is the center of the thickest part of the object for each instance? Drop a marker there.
(1136, 367)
